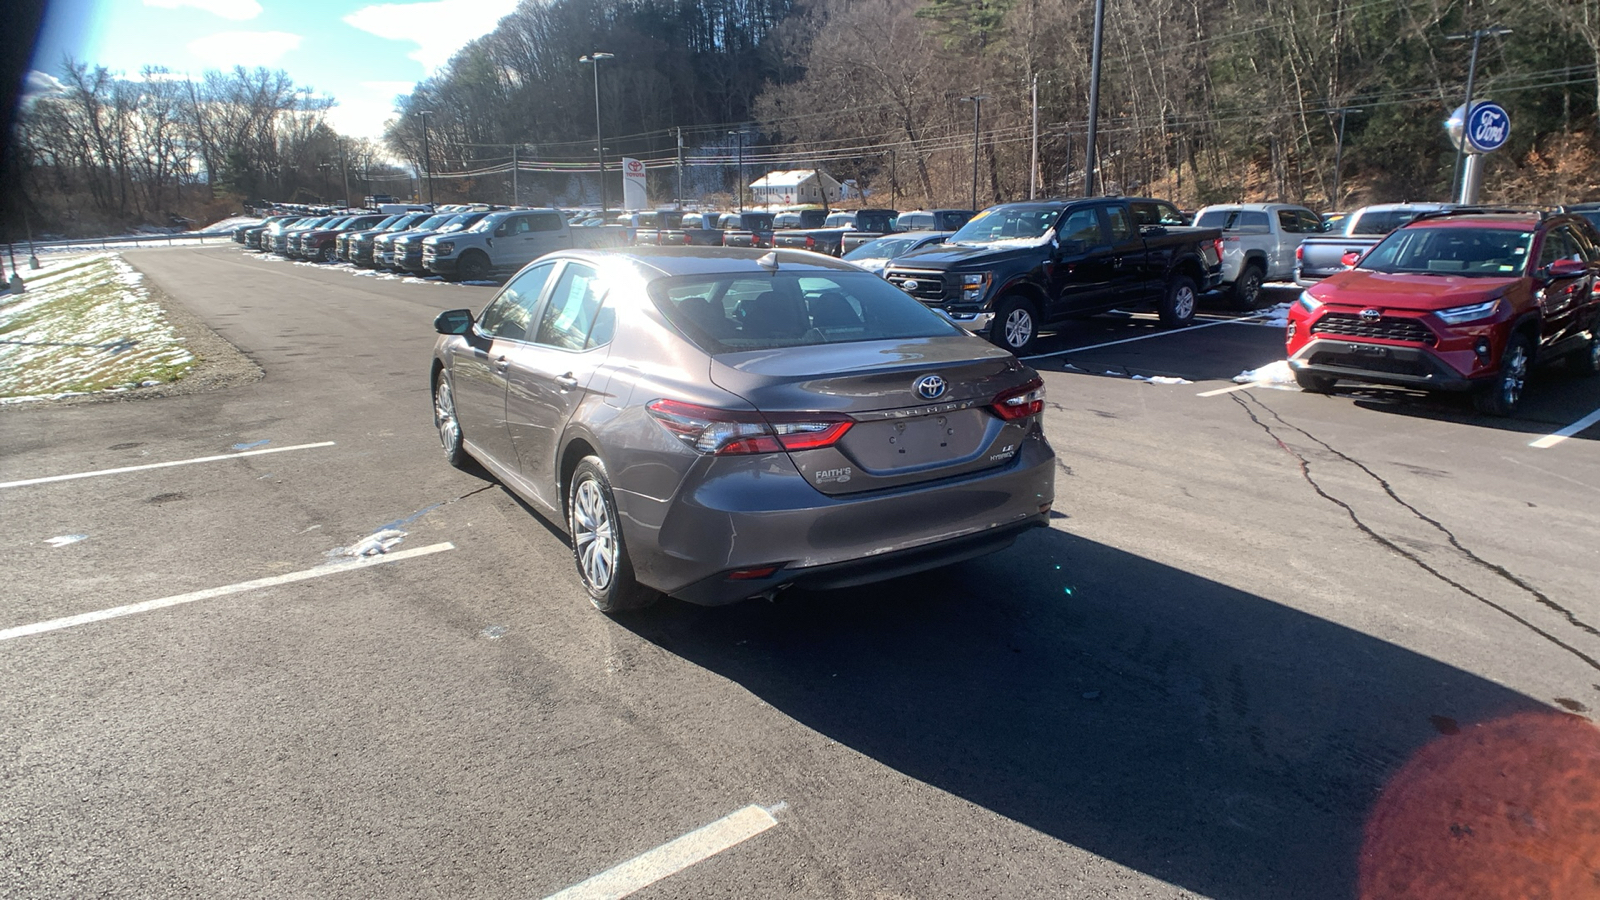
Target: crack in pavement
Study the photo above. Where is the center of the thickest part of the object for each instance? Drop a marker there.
(1305, 473)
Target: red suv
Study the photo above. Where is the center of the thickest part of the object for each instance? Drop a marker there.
(1462, 300)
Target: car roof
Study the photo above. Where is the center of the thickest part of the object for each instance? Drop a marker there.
(1525, 221)
(674, 261)
(1256, 207)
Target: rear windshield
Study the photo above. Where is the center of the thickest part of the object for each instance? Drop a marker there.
(1483, 252)
(1246, 220)
(1383, 222)
(883, 248)
(735, 313)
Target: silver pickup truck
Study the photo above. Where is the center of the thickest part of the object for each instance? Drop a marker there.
(1322, 255)
(1258, 244)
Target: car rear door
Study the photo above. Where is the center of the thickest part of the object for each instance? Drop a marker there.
(1129, 264)
(548, 376)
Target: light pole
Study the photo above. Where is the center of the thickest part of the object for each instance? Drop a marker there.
(1090, 162)
(324, 166)
(977, 108)
(427, 158)
(1466, 108)
(740, 136)
(599, 143)
(1338, 151)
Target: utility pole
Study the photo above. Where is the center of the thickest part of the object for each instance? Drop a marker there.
(740, 135)
(1466, 108)
(680, 167)
(977, 108)
(599, 143)
(1338, 153)
(427, 156)
(515, 194)
(1033, 158)
(344, 169)
(1090, 161)
(894, 182)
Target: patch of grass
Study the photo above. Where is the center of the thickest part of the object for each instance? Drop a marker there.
(86, 325)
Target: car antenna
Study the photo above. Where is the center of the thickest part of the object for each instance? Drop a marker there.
(770, 261)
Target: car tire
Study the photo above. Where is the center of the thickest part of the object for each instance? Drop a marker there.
(1247, 288)
(1178, 302)
(1503, 394)
(1586, 361)
(1015, 325)
(330, 254)
(447, 422)
(597, 547)
(1313, 383)
(474, 266)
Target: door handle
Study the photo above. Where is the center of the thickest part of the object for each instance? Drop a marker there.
(567, 382)
(501, 362)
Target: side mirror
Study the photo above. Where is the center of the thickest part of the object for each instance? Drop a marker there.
(1350, 258)
(1565, 268)
(453, 321)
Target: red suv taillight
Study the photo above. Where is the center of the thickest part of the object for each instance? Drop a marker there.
(1217, 243)
(724, 432)
(1020, 403)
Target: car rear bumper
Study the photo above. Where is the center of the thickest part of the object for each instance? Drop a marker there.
(1377, 363)
(754, 514)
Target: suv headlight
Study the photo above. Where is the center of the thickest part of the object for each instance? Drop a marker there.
(444, 248)
(1307, 303)
(1458, 315)
(973, 286)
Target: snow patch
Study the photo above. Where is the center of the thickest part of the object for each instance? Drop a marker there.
(1161, 379)
(65, 539)
(375, 544)
(1277, 374)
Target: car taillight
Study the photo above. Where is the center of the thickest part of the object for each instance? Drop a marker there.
(1217, 243)
(1300, 254)
(811, 242)
(725, 432)
(1020, 403)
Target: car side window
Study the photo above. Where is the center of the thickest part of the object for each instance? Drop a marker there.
(1081, 225)
(1117, 218)
(510, 314)
(1310, 222)
(1557, 245)
(572, 310)
(544, 222)
(1288, 221)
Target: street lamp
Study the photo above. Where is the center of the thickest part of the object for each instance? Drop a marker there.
(427, 157)
(977, 108)
(599, 144)
(1466, 109)
(740, 136)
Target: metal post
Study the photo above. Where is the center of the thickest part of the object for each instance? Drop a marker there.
(894, 182)
(344, 169)
(1090, 162)
(680, 167)
(740, 136)
(427, 155)
(1033, 159)
(599, 142)
(514, 193)
(1338, 154)
(1471, 179)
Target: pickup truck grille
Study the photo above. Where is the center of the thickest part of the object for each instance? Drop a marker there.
(924, 285)
(1387, 328)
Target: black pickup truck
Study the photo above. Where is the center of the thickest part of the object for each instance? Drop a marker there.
(1019, 267)
(829, 238)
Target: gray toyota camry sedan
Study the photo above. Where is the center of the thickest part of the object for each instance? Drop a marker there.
(717, 424)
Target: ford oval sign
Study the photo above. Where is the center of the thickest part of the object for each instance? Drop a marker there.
(1488, 127)
(930, 387)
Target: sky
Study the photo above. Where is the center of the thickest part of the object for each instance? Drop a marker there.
(360, 53)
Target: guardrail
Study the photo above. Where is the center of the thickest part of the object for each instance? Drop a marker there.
(134, 239)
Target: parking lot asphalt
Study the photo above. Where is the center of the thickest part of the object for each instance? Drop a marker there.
(1257, 616)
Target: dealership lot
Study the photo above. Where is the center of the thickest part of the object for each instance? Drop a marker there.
(1253, 608)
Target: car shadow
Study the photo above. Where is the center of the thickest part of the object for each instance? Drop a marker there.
(1200, 734)
(1554, 399)
(1198, 354)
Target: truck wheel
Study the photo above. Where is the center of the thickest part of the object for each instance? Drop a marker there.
(1177, 304)
(1502, 395)
(474, 266)
(1247, 288)
(1015, 325)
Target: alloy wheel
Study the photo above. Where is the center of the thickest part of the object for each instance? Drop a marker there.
(1183, 302)
(1018, 328)
(1514, 374)
(444, 415)
(593, 535)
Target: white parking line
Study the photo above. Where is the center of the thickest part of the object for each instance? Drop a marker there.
(1247, 320)
(1229, 390)
(1550, 440)
(366, 562)
(672, 857)
(163, 465)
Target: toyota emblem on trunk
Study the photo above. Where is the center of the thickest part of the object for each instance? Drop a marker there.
(930, 387)
(1370, 315)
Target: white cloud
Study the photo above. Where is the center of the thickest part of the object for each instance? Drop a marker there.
(244, 48)
(363, 111)
(237, 10)
(40, 84)
(438, 27)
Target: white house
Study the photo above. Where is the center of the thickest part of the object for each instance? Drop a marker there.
(796, 186)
